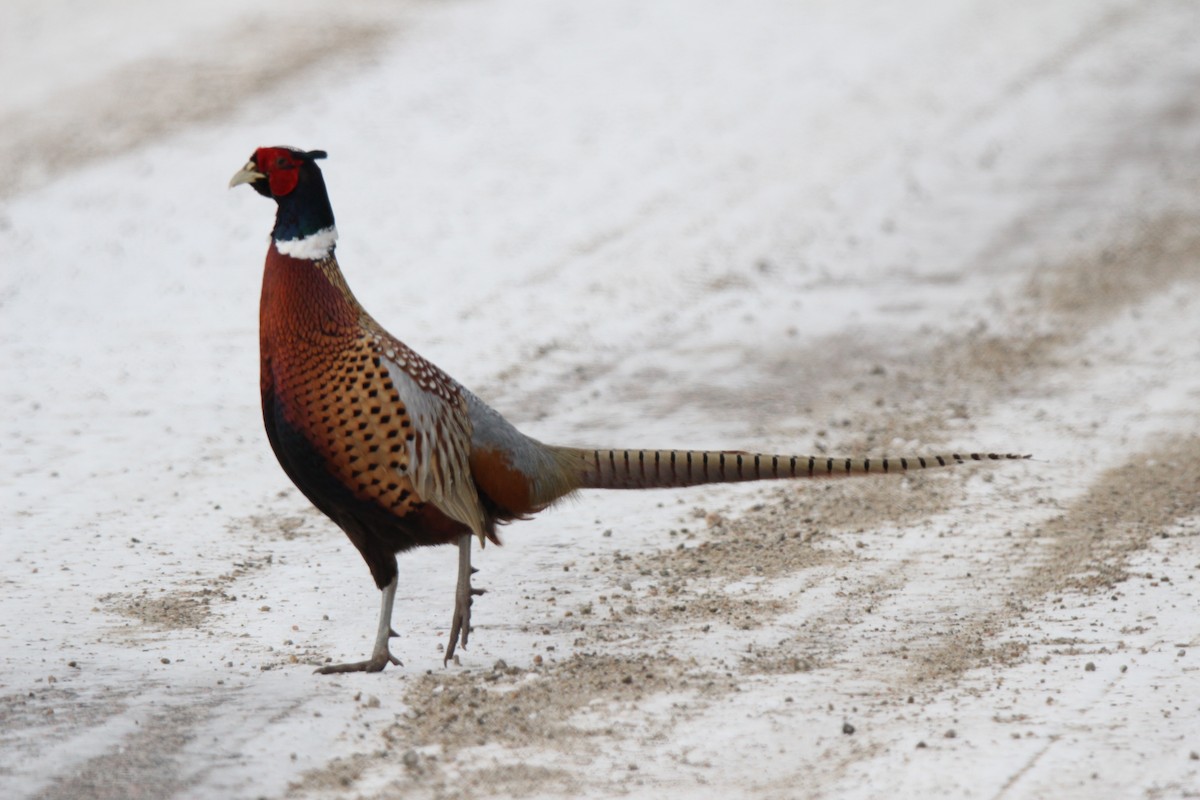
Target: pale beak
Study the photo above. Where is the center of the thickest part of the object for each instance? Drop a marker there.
(247, 174)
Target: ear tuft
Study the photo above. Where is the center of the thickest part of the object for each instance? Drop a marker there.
(313, 155)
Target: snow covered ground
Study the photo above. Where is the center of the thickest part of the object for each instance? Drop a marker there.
(848, 227)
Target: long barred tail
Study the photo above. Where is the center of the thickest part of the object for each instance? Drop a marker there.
(661, 469)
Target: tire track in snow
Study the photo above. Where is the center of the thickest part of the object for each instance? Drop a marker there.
(1078, 302)
(1087, 548)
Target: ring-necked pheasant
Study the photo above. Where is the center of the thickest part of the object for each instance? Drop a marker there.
(396, 452)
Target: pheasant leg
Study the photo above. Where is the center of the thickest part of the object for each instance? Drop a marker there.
(380, 655)
(460, 627)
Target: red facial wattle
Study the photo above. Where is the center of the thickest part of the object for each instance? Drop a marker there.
(281, 167)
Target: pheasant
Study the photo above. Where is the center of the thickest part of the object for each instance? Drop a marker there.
(396, 452)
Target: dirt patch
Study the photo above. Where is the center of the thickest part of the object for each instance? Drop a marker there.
(646, 608)
(1156, 254)
(501, 780)
(1121, 512)
(165, 609)
(429, 776)
(180, 607)
(563, 706)
(337, 775)
(554, 704)
(786, 659)
(775, 537)
(298, 526)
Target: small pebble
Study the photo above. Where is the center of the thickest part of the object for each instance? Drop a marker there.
(165, 660)
(1089, 667)
(411, 759)
(951, 734)
(847, 728)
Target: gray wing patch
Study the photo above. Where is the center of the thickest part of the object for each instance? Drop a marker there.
(440, 448)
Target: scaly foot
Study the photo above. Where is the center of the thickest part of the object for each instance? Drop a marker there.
(380, 655)
(375, 663)
(460, 626)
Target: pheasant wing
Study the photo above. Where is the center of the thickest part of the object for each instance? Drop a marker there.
(437, 436)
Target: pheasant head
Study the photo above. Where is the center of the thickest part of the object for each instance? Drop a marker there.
(304, 219)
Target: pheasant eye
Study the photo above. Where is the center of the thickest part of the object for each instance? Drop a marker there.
(281, 162)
